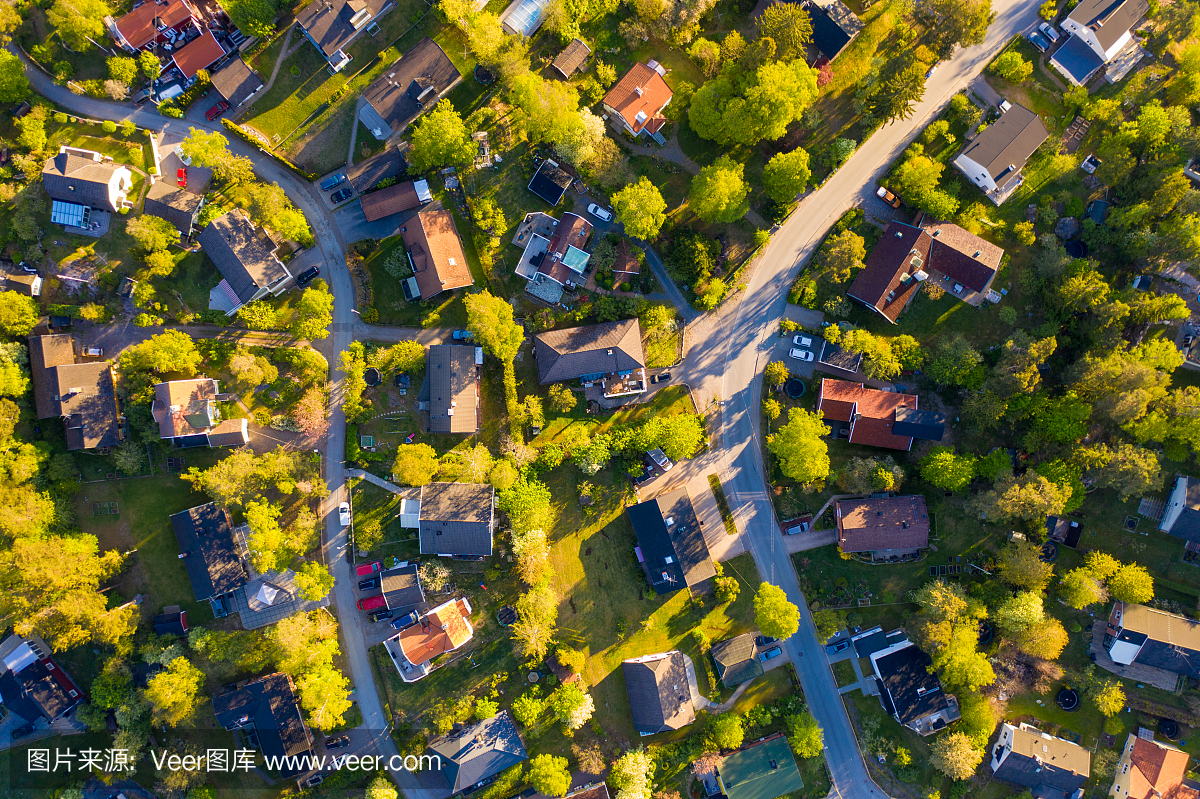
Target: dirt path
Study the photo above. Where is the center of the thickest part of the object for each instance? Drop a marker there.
(284, 52)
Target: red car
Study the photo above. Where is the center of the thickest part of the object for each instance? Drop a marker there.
(372, 603)
(181, 177)
(216, 111)
(363, 569)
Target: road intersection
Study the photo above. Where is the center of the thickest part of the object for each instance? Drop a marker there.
(726, 354)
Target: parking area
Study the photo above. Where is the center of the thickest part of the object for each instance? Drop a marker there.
(335, 185)
(799, 351)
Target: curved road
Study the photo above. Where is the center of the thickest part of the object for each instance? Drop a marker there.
(727, 362)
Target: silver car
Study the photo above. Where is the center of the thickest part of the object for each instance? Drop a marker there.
(803, 355)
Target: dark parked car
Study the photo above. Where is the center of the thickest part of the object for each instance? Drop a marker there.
(407, 620)
(341, 196)
(21, 732)
(304, 277)
(369, 583)
(463, 335)
(314, 781)
(840, 646)
(216, 111)
(771, 653)
(660, 378)
(338, 742)
(332, 182)
(380, 615)
(764, 640)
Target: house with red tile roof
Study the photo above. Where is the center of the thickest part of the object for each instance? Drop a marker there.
(883, 528)
(936, 252)
(443, 629)
(152, 22)
(638, 98)
(200, 53)
(874, 418)
(1149, 769)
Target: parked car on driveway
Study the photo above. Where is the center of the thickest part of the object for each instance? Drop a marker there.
(370, 603)
(341, 196)
(407, 620)
(216, 111)
(1039, 41)
(21, 732)
(770, 654)
(363, 569)
(802, 341)
(840, 646)
(1048, 29)
(181, 177)
(804, 355)
(344, 514)
(887, 197)
(600, 213)
(338, 742)
(369, 583)
(663, 377)
(333, 181)
(380, 615)
(463, 335)
(307, 275)
(764, 640)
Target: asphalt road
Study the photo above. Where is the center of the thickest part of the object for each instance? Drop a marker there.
(732, 354)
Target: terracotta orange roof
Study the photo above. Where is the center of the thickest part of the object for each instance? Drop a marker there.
(642, 90)
(445, 629)
(138, 26)
(200, 53)
(1158, 771)
(437, 256)
(870, 412)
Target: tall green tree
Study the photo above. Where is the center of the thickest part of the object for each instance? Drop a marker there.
(946, 470)
(14, 86)
(78, 23)
(843, 254)
(897, 97)
(775, 615)
(641, 208)
(800, 446)
(314, 313)
(789, 26)
(748, 108)
(786, 174)
(174, 694)
(440, 139)
(718, 193)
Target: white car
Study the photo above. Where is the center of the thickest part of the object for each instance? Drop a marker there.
(600, 213)
(344, 514)
(804, 355)
(1048, 29)
(802, 341)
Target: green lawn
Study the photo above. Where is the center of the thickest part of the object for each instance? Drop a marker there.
(843, 672)
(662, 349)
(445, 310)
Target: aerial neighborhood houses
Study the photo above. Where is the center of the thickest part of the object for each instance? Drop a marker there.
(1100, 35)
(435, 254)
(84, 188)
(408, 88)
(453, 520)
(606, 358)
(443, 629)
(874, 418)
(759, 770)
(995, 158)
(179, 205)
(188, 416)
(1047, 765)
(635, 102)
(660, 697)
(573, 58)
(1149, 769)
(670, 543)
(883, 529)
(33, 687)
(332, 25)
(475, 754)
(77, 389)
(834, 26)
(152, 24)
(245, 256)
(908, 688)
(1158, 642)
(962, 263)
(395, 199)
(267, 712)
(555, 256)
(236, 82)
(450, 393)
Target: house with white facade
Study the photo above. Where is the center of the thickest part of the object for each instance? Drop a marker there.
(1100, 33)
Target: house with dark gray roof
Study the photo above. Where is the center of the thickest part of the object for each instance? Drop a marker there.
(573, 57)
(331, 25)
(910, 691)
(609, 353)
(368, 173)
(402, 586)
(671, 547)
(454, 520)
(1181, 518)
(83, 395)
(84, 180)
(245, 256)
(407, 89)
(1099, 31)
(178, 206)
(1050, 767)
(32, 685)
(267, 711)
(993, 160)
(236, 81)
(736, 660)
(209, 553)
(479, 752)
(550, 182)
(1153, 637)
(834, 26)
(450, 394)
(660, 696)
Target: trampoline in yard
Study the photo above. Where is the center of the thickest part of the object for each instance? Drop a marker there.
(1049, 552)
(1168, 729)
(1068, 700)
(1076, 249)
(372, 377)
(985, 633)
(794, 388)
(507, 616)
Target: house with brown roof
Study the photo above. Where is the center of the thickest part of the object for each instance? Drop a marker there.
(331, 25)
(83, 395)
(907, 256)
(573, 57)
(1150, 769)
(152, 22)
(660, 698)
(450, 394)
(407, 89)
(443, 629)
(200, 53)
(609, 353)
(874, 418)
(395, 199)
(993, 160)
(178, 206)
(887, 529)
(627, 266)
(435, 254)
(188, 416)
(558, 262)
(636, 101)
